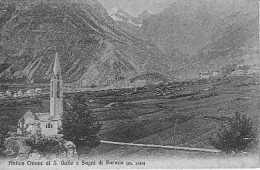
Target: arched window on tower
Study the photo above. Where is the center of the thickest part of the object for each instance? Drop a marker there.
(49, 125)
(58, 89)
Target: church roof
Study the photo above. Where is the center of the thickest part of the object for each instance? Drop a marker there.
(28, 114)
(46, 117)
(43, 117)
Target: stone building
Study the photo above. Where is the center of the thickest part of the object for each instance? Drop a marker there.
(47, 124)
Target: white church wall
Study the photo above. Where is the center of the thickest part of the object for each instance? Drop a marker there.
(49, 131)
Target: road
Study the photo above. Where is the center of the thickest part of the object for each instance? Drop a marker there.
(162, 146)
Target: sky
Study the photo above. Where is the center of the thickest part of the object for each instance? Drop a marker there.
(135, 7)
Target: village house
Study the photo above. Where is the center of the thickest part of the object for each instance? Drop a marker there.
(30, 92)
(15, 95)
(47, 124)
(214, 73)
(38, 91)
(2, 95)
(9, 93)
(204, 75)
(20, 93)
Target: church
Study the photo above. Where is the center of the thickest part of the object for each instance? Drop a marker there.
(47, 124)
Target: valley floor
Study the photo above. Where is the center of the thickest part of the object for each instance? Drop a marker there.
(184, 114)
(178, 120)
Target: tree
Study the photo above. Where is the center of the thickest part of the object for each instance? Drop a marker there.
(4, 133)
(238, 136)
(79, 125)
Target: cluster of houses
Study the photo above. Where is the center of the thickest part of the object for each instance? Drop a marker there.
(234, 70)
(208, 75)
(21, 93)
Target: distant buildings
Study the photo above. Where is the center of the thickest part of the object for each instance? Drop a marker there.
(30, 92)
(20, 93)
(214, 74)
(204, 75)
(208, 75)
(15, 95)
(9, 93)
(38, 91)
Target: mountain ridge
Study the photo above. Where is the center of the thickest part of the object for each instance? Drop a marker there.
(187, 31)
(93, 50)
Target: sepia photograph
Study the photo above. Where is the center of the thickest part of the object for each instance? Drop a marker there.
(129, 84)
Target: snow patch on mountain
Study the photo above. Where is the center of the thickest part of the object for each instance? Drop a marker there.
(120, 15)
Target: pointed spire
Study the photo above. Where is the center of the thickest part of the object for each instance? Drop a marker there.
(56, 68)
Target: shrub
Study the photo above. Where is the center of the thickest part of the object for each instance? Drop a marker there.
(45, 145)
(237, 136)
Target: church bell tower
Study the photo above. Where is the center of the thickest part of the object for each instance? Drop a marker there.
(56, 93)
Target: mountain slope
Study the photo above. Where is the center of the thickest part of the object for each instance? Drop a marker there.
(125, 21)
(93, 50)
(188, 25)
(203, 35)
(144, 15)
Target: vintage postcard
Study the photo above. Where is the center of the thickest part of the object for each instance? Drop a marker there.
(129, 84)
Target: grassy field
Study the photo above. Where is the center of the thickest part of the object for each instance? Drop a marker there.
(178, 114)
(200, 109)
